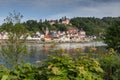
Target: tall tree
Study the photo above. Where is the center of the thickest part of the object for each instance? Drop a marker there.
(32, 25)
(14, 50)
(14, 17)
(112, 36)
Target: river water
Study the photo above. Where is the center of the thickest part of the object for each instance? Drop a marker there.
(38, 52)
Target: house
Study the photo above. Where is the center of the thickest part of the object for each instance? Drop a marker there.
(1, 35)
(82, 33)
(38, 34)
(4, 35)
(52, 22)
(72, 30)
(48, 38)
(66, 21)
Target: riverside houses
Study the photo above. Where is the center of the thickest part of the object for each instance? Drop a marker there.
(71, 35)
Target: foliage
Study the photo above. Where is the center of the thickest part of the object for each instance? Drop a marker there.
(92, 25)
(58, 66)
(112, 36)
(12, 49)
(60, 27)
(111, 65)
(22, 72)
(31, 25)
(13, 17)
(61, 66)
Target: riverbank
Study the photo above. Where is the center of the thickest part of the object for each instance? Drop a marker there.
(94, 42)
(67, 45)
(52, 41)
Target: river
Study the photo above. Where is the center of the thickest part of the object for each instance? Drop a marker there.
(38, 52)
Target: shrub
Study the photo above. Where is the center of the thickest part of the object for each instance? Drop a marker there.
(111, 65)
(61, 66)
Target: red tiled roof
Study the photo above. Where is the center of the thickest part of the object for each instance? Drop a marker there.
(72, 28)
(48, 36)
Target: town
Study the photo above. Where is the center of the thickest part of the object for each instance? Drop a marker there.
(60, 40)
(72, 34)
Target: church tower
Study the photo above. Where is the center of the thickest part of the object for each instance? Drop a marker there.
(47, 31)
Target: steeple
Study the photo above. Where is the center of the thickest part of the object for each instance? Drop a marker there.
(47, 31)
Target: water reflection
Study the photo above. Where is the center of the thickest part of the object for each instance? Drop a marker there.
(35, 53)
(38, 52)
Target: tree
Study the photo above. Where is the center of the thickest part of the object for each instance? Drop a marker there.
(14, 17)
(112, 36)
(110, 64)
(15, 49)
(32, 25)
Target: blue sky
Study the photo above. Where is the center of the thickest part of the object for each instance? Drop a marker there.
(55, 9)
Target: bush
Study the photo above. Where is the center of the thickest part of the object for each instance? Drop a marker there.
(61, 66)
(58, 66)
(22, 72)
(111, 65)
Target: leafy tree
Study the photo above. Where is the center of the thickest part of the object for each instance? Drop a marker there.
(60, 27)
(14, 50)
(90, 24)
(31, 25)
(14, 17)
(112, 36)
(111, 66)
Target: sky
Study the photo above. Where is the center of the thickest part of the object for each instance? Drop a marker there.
(55, 9)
